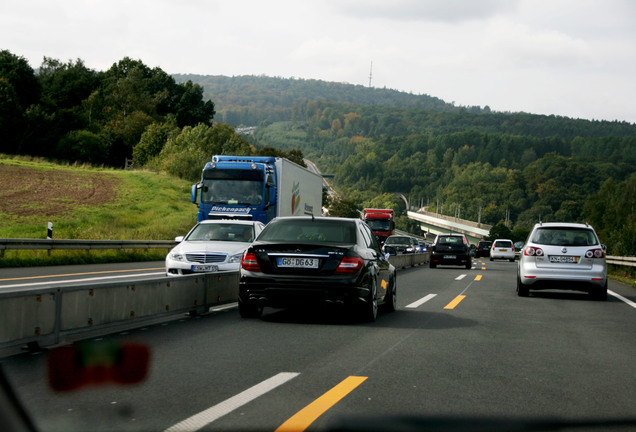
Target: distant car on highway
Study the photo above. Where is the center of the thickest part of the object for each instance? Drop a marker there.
(212, 245)
(502, 249)
(563, 256)
(483, 248)
(316, 261)
(421, 247)
(450, 249)
(399, 244)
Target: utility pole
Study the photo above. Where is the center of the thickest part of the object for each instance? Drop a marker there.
(370, 74)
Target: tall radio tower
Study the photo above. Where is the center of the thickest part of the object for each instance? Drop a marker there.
(370, 74)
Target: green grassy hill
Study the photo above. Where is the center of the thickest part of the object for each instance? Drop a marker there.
(88, 203)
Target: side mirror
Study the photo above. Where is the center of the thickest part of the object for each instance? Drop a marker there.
(193, 192)
(178, 239)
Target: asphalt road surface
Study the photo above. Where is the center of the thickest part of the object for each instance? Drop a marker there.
(461, 345)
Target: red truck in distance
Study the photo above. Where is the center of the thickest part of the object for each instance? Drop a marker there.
(380, 221)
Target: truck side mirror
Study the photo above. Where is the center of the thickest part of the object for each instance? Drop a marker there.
(193, 193)
(270, 181)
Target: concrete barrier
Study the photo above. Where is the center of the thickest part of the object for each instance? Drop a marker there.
(50, 316)
(40, 317)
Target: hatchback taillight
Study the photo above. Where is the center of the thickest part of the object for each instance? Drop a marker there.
(533, 251)
(595, 253)
(349, 265)
(249, 262)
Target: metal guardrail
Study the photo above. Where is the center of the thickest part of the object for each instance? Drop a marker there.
(51, 244)
(621, 261)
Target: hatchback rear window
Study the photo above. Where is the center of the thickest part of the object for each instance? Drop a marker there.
(450, 240)
(503, 244)
(564, 237)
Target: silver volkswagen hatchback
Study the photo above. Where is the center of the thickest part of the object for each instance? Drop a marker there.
(563, 256)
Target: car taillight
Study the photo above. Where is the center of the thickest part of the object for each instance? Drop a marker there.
(595, 253)
(249, 262)
(349, 265)
(533, 251)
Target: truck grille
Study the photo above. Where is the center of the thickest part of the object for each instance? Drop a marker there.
(203, 258)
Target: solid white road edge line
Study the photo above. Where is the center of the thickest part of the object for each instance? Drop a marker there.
(620, 297)
(211, 414)
(421, 301)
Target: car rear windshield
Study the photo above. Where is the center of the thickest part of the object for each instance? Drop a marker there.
(450, 240)
(503, 244)
(564, 236)
(322, 231)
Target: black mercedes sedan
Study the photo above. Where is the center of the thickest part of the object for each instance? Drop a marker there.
(306, 261)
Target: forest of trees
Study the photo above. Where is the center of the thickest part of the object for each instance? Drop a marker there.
(505, 169)
(70, 112)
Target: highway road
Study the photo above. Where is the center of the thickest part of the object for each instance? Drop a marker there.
(50, 276)
(461, 344)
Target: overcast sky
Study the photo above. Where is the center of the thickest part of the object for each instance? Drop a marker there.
(574, 58)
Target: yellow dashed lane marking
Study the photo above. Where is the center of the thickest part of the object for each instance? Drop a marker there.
(455, 302)
(306, 416)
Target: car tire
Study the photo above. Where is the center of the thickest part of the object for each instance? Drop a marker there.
(512, 260)
(432, 264)
(491, 258)
(522, 290)
(391, 304)
(600, 294)
(469, 265)
(370, 308)
(249, 310)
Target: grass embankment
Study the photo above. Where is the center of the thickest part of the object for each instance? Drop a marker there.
(89, 203)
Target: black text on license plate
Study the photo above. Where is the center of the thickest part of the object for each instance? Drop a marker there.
(564, 259)
(293, 262)
(204, 268)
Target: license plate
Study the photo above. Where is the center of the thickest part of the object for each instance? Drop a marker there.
(450, 256)
(503, 250)
(204, 268)
(564, 259)
(310, 263)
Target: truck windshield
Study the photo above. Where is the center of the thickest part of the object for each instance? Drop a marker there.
(226, 191)
(379, 224)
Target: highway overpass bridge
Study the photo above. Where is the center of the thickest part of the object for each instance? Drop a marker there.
(433, 224)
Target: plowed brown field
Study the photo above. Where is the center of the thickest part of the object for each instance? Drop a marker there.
(27, 191)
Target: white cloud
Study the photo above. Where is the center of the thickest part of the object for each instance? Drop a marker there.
(566, 57)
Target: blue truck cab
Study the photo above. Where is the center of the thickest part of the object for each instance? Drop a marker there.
(256, 188)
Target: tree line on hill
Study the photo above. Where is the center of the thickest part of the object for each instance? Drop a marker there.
(505, 169)
(510, 169)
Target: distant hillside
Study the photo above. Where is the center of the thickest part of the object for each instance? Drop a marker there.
(250, 100)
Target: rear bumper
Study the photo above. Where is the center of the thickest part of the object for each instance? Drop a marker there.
(441, 259)
(587, 280)
(282, 293)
